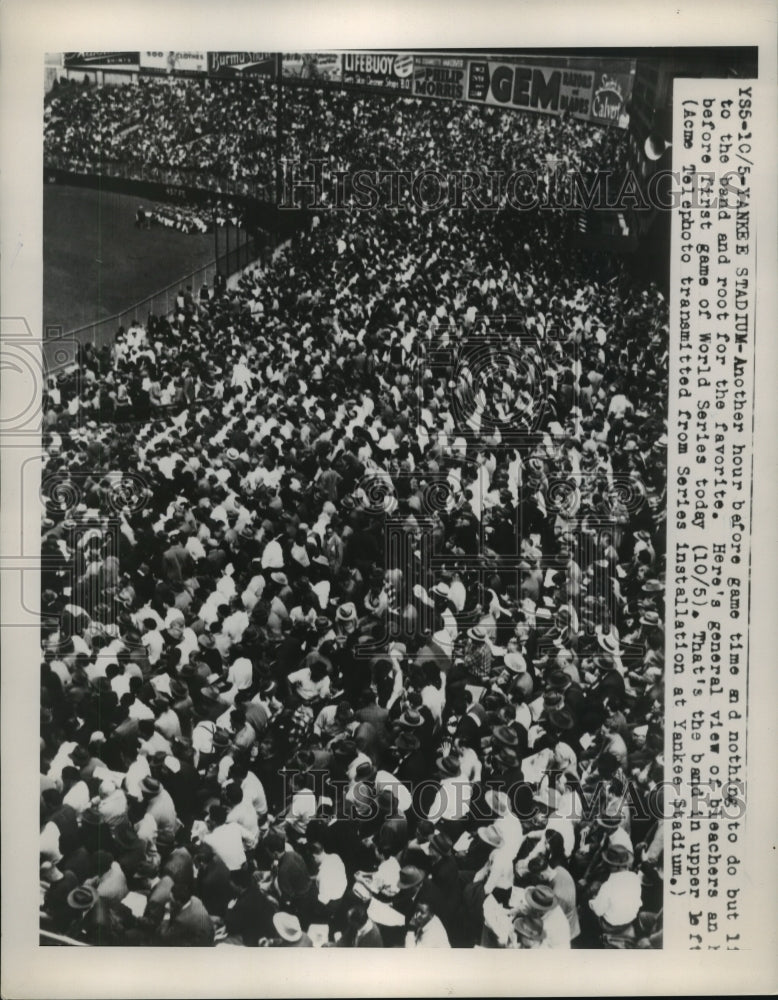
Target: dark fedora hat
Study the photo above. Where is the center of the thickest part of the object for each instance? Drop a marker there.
(557, 680)
(410, 719)
(91, 817)
(507, 757)
(364, 771)
(560, 718)
(221, 739)
(83, 898)
(125, 837)
(407, 741)
(442, 843)
(506, 736)
(449, 765)
(178, 690)
(149, 788)
(344, 749)
(617, 856)
(492, 700)
(410, 877)
(541, 898)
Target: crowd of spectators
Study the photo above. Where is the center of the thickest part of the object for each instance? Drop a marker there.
(353, 580)
(359, 132)
(211, 130)
(226, 131)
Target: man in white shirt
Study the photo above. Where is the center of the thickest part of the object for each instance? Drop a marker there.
(76, 791)
(136, 772)
(243, 813)
(330, 876)
(310, 683)
(538, 901)
(619, 898)
(506, 823)
(239, 676)
(252, 789)
(452, 800)
(226, 839)
(235, 625)
(497, 873)
(426, 931)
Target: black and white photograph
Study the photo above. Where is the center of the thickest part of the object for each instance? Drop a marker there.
(394, 492)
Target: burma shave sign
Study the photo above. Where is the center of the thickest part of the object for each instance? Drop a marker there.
(241, 63)
(546, 89)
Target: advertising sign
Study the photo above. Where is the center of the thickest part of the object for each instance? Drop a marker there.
(378, 70)
(611, 93)
(173, 62)
(442, 77)
(240, 63)
(532, 88)
(76, 59)
(312, 66)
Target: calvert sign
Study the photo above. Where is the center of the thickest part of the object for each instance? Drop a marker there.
(545, 89)
(611, 92)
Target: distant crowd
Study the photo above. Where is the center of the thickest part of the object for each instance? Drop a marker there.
(225, 131)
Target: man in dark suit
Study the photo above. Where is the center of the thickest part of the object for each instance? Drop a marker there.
(251, 917)
(504, 770)
(213, 882)
(177, 562)
(360, 931)
(64, 818)
(608, 688)
(572, 693)
(470, 727)
(442, 888)
(375, 715)
(414, 765)
(189, 924)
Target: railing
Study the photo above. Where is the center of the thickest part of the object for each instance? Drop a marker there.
(162, 302)
(49, 938)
